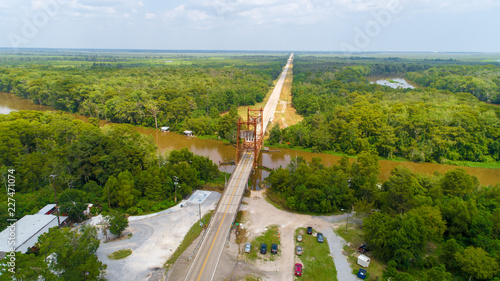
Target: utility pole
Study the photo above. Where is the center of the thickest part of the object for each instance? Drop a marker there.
(350, 210)
(347, 223)
(175, 184)
(109, 200)
(199, 209)
(55, 197)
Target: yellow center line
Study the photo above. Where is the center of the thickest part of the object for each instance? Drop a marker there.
(220, 225)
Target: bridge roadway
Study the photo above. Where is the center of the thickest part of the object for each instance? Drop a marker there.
(207, 258)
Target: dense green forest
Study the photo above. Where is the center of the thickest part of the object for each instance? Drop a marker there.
(109, 166)
(483, 81)
(427, 227)
(183, 92)
(345, 113)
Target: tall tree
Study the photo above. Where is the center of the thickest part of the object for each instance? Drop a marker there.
(74, 253)
(477, 263)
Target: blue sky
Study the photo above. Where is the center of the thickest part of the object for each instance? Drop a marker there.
(297, 25)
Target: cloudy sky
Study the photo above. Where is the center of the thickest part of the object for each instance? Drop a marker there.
(297, 25)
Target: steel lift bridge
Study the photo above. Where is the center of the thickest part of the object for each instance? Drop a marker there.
(250, 135)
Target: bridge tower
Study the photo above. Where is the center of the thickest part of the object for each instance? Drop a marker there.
(250, 134)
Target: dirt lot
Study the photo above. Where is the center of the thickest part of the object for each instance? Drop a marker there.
(261, 214)
(154, 238)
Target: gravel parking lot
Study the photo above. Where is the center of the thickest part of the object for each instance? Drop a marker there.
(261, 214)
(154, 238)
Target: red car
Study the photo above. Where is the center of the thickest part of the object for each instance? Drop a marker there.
(298, 269)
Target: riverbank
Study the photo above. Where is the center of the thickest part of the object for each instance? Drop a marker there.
(486, 165)
(219, 151)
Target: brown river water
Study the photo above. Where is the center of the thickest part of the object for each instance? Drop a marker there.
(220, 152)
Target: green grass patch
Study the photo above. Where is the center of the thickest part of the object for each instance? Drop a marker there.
(192, 234)
(212, 137)
(120, 254)
(240, 232)
(316, 260)
(270, 236)
(490, 165)
(252, 278)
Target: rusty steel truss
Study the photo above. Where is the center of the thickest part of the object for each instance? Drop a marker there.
(250, 134)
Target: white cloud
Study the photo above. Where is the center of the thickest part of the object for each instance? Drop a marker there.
(448, 6)
(184, 15)
(150, 16)
(251, 12)
(98, 8)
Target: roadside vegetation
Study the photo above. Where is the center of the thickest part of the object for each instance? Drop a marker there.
(291, 116)
(421, 227)
(59, 254)
(313, 188)
(120, 254)
(354, 235)
(192, 234)
(113, 167)
(443, 122)
(240, 231)
(316, 259)
(252, 278)
(270, 236)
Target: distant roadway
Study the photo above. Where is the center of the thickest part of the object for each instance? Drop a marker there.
(271, 104)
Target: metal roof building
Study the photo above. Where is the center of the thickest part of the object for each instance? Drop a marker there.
(47, 210)
(27, 230)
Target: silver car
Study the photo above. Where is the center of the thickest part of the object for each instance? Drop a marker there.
(298, 250)
(248, 247)
(320, 238)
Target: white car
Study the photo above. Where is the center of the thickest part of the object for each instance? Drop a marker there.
(248, 247)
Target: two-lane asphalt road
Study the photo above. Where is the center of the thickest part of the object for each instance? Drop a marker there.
(271, 104)
(205, 263)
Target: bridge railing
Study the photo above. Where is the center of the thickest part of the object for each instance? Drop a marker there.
(213, 215)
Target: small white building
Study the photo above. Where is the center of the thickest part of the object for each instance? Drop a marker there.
(164, 129)
(363, 260)
(87, 211)
(188, 133)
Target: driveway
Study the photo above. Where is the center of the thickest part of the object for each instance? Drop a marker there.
(154, 238)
